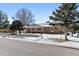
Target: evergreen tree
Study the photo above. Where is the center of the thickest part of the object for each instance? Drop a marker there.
(16, 25)
(3, 19)
(66, 13)
(6, 24)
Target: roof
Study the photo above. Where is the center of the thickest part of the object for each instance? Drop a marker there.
(46, 25)
(33, 26)
(37, 26)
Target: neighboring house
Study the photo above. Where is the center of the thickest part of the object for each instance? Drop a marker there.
(44, 28)
(58, 27)
(38, 28)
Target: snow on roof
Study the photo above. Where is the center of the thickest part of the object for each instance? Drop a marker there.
(33, 26)
(38, 26)
(45, 25)
(58, 22)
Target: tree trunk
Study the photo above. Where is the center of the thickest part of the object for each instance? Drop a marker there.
(19, 32)
(13, 33)
(72, 34)
(78, 34)
(66, 34)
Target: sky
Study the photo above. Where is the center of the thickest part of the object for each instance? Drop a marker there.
(41, 11)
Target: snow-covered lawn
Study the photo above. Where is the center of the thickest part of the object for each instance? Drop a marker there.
(53, 39)
(36, 37)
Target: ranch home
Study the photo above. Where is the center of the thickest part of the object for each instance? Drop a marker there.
(43, 28)
(37, 29)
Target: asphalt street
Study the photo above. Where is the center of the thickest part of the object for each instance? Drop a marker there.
(21, 48)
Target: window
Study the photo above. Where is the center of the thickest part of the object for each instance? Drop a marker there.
(39, 28)
(32, 28)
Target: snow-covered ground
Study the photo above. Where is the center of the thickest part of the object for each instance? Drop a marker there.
(54, 39)
(34, 36)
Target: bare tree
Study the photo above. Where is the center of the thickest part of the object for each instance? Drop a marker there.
(25, 16)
